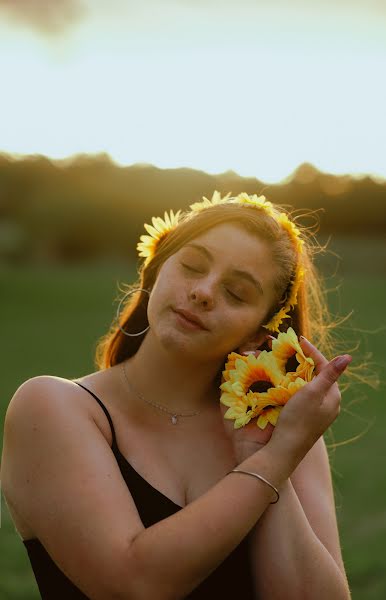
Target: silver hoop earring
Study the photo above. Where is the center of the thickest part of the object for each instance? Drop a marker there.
(119, 306)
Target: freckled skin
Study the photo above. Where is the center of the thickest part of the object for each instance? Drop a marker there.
(206, 293)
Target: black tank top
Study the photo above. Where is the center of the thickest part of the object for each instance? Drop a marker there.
(231, 579)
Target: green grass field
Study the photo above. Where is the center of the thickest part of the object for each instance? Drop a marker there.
(50, 321)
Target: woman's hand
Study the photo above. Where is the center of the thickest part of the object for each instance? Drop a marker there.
(311, 411)
(305, 417)
(250, 438)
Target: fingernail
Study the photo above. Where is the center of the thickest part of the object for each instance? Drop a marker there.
(303, 338)
(248, 352)
(341, 362)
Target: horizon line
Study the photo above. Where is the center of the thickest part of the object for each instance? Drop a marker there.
(305, 166)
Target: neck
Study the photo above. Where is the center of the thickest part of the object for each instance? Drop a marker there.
(176, 382)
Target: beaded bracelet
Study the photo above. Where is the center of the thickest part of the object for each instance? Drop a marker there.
(259, 477)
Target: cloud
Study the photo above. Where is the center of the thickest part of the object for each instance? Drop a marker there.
(48, 17)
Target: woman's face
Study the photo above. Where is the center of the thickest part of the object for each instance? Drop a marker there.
(224, 278)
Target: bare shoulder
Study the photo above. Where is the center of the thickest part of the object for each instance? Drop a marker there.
(35, 392)
(45, 393)
(59, 472)
(36, 401)
(39, 390)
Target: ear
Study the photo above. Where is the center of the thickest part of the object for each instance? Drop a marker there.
(255, 341)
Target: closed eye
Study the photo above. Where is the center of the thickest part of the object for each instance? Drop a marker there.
(234, 296)
(189, 268)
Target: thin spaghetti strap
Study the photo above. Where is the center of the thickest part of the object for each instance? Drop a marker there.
(104, 409)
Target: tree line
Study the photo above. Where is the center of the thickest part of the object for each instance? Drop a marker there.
(89, 206)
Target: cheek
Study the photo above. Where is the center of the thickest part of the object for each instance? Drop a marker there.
(246, 323)
(166, 276)
(156, 301)
(162, 293)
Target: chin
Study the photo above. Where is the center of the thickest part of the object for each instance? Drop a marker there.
(173, 342)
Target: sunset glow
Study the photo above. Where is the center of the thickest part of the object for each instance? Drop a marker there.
(212, 86)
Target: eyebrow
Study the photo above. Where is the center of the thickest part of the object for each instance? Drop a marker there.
(244, 274)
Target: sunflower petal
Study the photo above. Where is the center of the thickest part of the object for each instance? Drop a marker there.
(262, 421)
(151, 229)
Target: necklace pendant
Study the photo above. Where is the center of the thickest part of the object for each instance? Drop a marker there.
(174, 419)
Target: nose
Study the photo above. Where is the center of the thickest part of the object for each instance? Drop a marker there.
(202, 296)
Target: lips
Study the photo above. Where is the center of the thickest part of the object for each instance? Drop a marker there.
(190, 317)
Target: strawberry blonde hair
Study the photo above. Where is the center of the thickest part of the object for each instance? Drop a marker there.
(310, 316)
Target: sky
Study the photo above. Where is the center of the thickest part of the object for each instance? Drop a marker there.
(250, 86)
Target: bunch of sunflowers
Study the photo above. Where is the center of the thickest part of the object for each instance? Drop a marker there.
(259, 386)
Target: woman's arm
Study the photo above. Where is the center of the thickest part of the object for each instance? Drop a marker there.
(59, 470)
(295, 544)
(312, 483)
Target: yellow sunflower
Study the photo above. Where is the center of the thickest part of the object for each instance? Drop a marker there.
(230, 365)
(291, 301)
(293, 231)
(250, 369)
(285, 347)
(205, 203)
(243, 199)
(236, 392)
(298, 278)
(270, 404)
(160, 228)
(259, 387)
(256, 202)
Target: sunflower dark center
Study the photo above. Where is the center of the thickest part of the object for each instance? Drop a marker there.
(260, 386)
(292, 364)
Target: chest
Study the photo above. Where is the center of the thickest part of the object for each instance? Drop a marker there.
(180, 465)
(182, 470)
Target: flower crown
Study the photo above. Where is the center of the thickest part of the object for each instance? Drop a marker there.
(148, 245)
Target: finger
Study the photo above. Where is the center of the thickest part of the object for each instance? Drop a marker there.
(310, 350)
(329, 375)
(270, 339)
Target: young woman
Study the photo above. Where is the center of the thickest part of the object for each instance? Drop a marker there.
(123, 483)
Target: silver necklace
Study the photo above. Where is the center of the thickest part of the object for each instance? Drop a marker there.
(174, 415)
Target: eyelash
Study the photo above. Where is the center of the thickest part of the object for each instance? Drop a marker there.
(233, 296)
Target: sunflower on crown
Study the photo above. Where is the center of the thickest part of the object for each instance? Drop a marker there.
(259, 387)
(157, 232)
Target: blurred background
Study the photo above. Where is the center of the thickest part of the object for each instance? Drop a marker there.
(112, 112)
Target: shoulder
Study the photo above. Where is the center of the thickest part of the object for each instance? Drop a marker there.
(64, 482)
(42, 391)
(45, 396)
(42, 383)
(38, 406)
